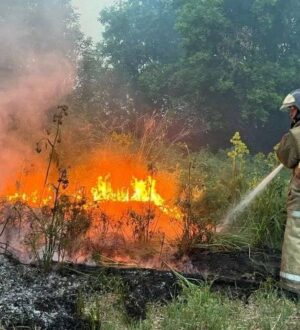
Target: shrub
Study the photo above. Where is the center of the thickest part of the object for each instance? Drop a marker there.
(215, 183)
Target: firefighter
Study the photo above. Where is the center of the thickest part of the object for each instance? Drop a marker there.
(288, 153)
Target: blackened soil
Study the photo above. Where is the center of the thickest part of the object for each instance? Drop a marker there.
(238, 265)
(238, 274)
(29, 295)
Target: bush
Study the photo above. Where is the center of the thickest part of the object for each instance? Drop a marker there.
(215, 183)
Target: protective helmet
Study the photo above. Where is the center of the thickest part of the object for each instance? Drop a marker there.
(291, 99)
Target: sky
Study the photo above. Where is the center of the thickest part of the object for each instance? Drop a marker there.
(89, 12)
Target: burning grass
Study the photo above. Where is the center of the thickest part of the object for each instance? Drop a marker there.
(100, 202)
(114, 202)
(108, 200)
(83, 224)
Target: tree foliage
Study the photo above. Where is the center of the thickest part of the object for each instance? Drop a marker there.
(101, 93)
(225, 63)
(139, 33)
(241, 56)
(230, 62)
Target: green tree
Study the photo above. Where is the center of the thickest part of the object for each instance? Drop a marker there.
(241, 56)
(225, 63)
(101, 93)
(140, 42)
(139, 33)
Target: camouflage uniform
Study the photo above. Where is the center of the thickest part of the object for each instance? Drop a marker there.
(288, 153)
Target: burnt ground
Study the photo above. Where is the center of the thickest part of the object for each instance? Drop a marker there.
(29, 297)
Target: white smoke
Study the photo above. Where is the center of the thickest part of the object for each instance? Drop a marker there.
(36, 72)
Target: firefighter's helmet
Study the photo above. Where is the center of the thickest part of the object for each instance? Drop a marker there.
(292, 99)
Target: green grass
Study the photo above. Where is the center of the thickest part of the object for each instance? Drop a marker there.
(198, 308)
(261, 224)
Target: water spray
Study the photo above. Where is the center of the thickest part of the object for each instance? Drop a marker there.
(247, 199)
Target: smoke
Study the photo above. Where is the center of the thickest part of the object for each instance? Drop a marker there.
(36, 73)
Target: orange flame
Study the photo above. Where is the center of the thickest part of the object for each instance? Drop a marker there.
(141, 191)
(116, 183)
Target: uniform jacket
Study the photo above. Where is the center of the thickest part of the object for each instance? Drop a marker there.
(288, 153)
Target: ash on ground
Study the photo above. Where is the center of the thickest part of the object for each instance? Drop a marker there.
(31, 298)
(36, 300)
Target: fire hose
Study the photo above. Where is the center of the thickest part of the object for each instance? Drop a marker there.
(248, 198)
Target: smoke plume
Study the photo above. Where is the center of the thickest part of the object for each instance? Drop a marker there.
(36, 73)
